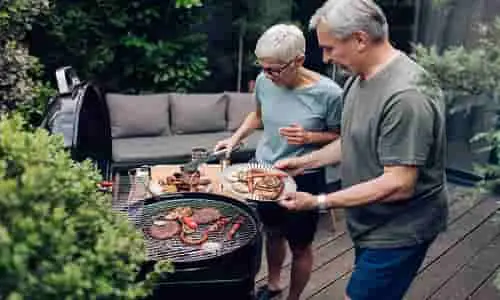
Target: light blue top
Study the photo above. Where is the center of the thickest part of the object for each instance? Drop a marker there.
(316, 108)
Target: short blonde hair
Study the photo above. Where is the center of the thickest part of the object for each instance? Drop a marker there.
(282, 42)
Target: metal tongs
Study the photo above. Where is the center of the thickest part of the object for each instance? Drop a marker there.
(193, 165)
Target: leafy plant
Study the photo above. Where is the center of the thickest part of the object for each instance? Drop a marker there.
(34, 111)
(490, 171)
(187, 3)
(128, 46)
(464, 72)
(255, 18)
(59, 238)
(17, 17)
(473, 75)
(231, 58)
(19, 72)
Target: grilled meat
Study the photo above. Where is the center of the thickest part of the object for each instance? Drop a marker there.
(164, 229)
(206, 215)
(179, 212)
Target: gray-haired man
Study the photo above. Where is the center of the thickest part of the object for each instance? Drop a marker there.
(392, 149)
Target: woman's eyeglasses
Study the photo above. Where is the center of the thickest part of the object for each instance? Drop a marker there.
(275, 72)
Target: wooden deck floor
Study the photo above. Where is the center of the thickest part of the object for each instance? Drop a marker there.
(461, 264)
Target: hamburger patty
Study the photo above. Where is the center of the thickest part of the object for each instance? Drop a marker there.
(164, 229)
(206, 215)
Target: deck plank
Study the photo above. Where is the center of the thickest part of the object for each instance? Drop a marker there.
(462, 220)
(439, 272)
(489, 290)
(473, 275)
(324, 235)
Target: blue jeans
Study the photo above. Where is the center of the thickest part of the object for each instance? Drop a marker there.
(385, 274)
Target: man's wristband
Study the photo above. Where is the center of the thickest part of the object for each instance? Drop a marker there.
(321, 202)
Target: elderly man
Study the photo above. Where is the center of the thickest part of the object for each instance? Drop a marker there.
(392, 149)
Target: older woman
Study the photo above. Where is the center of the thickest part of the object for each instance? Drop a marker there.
(299, 111)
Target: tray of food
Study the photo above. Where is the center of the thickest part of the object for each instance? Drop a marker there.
(258, 182)
(180, 182)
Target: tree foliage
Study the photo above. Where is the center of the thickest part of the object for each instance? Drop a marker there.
(17, 17)
(20, 85)
(127, 46)
(235, 26)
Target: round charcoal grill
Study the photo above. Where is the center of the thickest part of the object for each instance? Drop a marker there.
(226, 274)
(178, 252)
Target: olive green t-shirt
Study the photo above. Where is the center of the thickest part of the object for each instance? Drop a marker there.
(388, 121)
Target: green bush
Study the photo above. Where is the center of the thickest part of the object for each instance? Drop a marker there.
(17, 16)
(472, 74)
(127, 46)
(58, 236)
(21, 88)
(463, 72)
(19, 72)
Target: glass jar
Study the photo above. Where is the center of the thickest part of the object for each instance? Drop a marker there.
(200, 153)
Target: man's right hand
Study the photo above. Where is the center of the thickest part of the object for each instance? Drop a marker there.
(226, 144)
(293, 166)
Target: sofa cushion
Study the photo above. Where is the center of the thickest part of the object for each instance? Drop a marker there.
(167, 148)
(171, 149)
(138, 115)
(196, 113)
(239, 106)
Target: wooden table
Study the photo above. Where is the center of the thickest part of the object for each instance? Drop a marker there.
(211, 171)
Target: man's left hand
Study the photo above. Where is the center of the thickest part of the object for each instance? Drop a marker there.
(295, 134)
(299, 201)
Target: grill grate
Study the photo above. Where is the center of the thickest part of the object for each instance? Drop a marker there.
(127, 201)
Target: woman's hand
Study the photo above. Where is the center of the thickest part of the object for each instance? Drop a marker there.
(227, 144)
(295, 135)
(293, 166)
